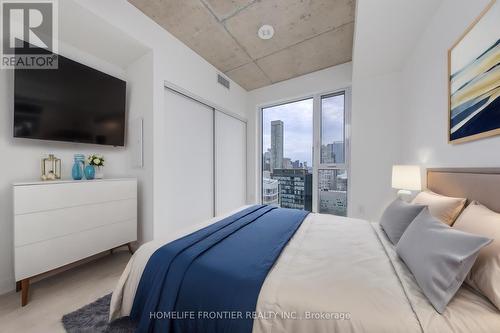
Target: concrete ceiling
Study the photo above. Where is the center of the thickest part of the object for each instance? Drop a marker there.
(309, 34)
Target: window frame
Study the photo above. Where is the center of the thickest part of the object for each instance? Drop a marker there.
(332, 165)
(316, 149)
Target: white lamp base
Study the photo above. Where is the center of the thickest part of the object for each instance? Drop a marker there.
(405, 195)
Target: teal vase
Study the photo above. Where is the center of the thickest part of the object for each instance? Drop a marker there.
(77, 170)
(89, 172)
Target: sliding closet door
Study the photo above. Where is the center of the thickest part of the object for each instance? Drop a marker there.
(189, 175)
(230, 152)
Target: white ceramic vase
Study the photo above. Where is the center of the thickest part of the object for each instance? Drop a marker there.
(99, 172)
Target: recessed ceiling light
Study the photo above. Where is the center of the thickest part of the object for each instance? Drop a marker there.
(266, 32)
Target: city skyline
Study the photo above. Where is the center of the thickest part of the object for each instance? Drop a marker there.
(297, 118)
(288, 154)
(297, 121)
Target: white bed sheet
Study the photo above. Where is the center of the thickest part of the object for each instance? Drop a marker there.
(468, 311)
(334, 268)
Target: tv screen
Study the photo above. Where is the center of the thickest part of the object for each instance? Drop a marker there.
(73, 103)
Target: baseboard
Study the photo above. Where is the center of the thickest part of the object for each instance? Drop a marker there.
(7, 285)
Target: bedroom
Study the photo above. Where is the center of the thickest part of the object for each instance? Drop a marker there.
(384, 72)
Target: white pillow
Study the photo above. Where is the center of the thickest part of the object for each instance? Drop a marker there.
(439, 256)
(444, 208)
(485, 274)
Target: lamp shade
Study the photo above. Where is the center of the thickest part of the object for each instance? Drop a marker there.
(406, 177)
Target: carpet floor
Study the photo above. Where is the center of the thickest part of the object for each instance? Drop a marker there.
(93, 317)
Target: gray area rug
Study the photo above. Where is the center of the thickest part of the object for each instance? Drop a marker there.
(93, 317)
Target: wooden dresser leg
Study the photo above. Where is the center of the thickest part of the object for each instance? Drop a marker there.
(25, 285)
(130, 248)
(18, 286)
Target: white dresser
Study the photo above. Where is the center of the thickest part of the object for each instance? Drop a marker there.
(60, 222)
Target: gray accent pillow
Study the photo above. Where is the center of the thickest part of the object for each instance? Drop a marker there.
(397, 217)
(440, 257)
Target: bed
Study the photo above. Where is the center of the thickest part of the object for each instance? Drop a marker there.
(341, 274)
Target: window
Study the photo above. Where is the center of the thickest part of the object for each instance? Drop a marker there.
(294, 175)
(287, 140)
(332, 172)
(332, 129)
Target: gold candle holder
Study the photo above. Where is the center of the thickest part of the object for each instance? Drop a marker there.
(51, 168)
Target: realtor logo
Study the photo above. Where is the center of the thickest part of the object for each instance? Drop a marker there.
(29, 34)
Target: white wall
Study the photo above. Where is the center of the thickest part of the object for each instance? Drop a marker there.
(385, 36)
(386, 32)
(176, 63)
(400, 111)
(375, 142)
(326, 80)
(22, 156)
(169, 60)
(140, 105)
(425, 104)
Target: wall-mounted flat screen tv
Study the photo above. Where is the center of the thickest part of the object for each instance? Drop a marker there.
(73, 103)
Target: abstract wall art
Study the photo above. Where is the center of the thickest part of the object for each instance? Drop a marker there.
(474, 79)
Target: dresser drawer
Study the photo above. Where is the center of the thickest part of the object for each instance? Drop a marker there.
(36, 198)
(40, 226)
(37, 258)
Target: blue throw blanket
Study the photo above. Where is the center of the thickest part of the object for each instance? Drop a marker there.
(216, 271)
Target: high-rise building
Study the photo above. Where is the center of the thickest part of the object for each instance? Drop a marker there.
(333, 153)
(270, 191)
(327, 179)
(333, 191)
(326, 153)
(276, 144)
(266, 161)
(342, 181)
(333, 202)
(295, 188)
(332, 180)
(338, 152)
(287, 163)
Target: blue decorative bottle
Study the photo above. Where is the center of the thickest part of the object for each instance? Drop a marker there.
(77, 170)
(89, 172)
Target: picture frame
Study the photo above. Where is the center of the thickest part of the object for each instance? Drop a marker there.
(473, 90)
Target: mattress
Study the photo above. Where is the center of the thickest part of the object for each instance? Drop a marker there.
(336, 274)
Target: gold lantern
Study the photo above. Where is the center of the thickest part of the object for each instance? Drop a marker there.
(51, 168)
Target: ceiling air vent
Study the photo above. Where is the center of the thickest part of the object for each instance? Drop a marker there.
(223, 81)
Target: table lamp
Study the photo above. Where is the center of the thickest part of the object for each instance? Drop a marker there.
(406, 178)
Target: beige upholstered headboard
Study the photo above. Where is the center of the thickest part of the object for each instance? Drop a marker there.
(481, 184)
